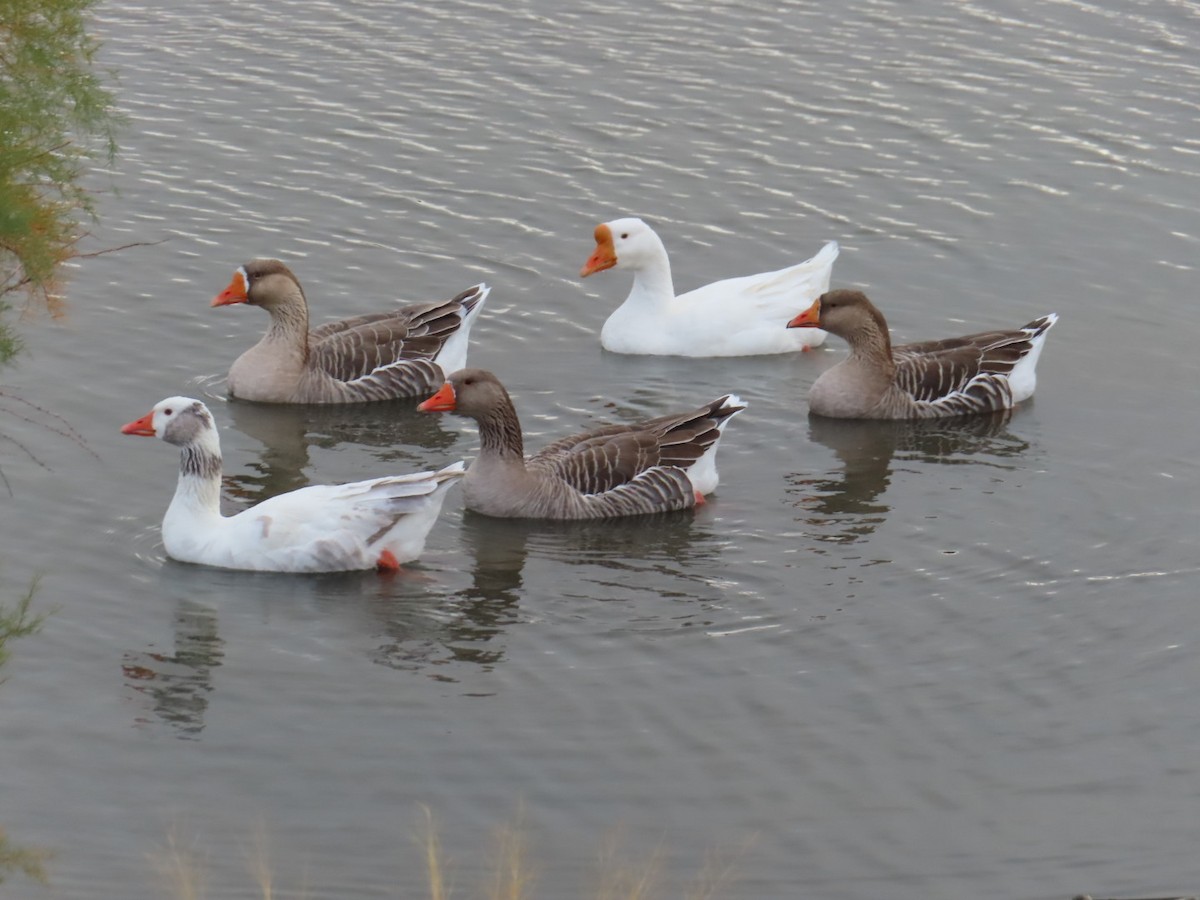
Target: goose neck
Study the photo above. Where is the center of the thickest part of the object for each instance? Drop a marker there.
(652, 280)
(199, 488)
(289, 321)
(871, 346)
(500, 434)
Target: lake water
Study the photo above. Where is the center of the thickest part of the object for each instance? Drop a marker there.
(882, 662)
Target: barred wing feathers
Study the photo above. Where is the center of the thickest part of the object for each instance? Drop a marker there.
(605, 458)
(971, 374)
(353, 348)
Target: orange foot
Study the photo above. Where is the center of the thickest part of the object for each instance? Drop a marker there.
(700, 501)
(387, 562)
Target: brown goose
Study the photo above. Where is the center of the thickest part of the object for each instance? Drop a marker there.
(657, 465)
(403, 353)
(977, 373)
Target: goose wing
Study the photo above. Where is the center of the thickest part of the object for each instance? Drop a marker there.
(968, 374)
(601, 459)
(332, 527)
(352, 348)
(770, 295)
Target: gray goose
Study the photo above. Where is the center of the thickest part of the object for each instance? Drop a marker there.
(977, 373)
(657, 465)
(381, 356)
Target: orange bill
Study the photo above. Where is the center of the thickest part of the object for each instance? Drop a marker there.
(235, 293)
(810, 318)
(605, 256)
(442, 401)
(143, 426)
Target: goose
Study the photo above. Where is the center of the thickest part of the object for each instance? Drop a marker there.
(381, 356)
(379, 523)
(658, 465)
(734, 317)
(977, 373)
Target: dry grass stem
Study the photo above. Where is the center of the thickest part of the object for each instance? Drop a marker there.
(438, 890)
(180, 868)
(622, 880)
(512, 877)
(259, 861)
(718, 872)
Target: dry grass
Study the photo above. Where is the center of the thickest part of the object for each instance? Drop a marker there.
(512, 876)
(434, 863)
(30, 862)
(180, 868)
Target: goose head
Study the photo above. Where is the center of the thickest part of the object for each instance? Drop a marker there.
(261, 282)
(629, 243)
(177, 420)
(843, 312)
(469, 392)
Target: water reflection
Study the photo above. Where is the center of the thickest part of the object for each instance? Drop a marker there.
(662, 557)
(846, 506)
(176, 685)
(289, 432)
(470, 627)
(421, 632)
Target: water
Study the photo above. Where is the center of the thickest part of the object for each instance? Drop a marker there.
(882, 662)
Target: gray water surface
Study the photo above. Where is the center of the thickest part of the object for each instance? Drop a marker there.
(882, 662)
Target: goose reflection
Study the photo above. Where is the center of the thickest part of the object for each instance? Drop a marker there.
(846, 506)
(664, 556)
(418, 620)
(437, 636)
(471, 626)
(434, 619)
(176, 685)
(288, 432)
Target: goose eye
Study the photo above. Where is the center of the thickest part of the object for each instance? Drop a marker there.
(168, 412)
(625, 236)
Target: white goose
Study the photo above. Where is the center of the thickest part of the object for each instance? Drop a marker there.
(379, 523)
(735, 317)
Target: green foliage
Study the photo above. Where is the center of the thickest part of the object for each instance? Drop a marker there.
(56, 117)
(18, 622)
(15, 623)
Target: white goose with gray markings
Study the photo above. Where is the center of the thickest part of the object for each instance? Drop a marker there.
(379, 523)
(657, 465)
(973, 374)
(380, 356)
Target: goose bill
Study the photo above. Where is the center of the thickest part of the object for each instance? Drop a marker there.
(605, 256)
(442, 401)
(810, 318)
(235, 293)
(143, 427)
